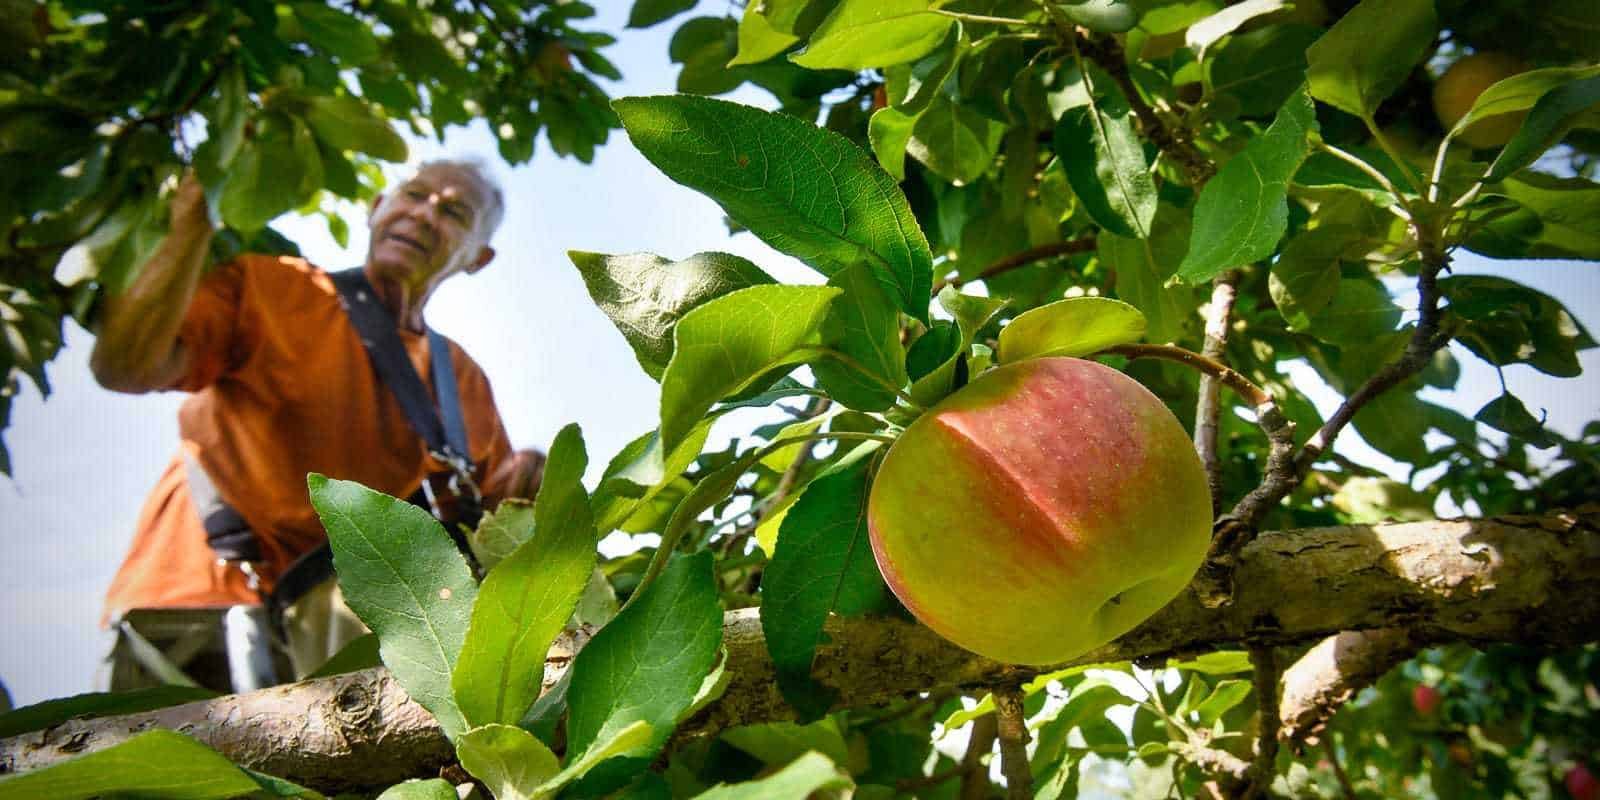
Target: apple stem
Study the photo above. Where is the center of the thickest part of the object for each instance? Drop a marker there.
(1012, 729)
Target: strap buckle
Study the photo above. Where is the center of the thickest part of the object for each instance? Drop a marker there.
(458, 484)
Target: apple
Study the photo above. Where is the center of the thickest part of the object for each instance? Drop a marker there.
(1426, 699)
(1041, 511)
(1581, 783)
(1458, 88)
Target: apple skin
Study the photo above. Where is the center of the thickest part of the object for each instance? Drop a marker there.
(1041, 511)
(1581, 783)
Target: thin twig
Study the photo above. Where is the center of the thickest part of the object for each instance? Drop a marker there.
(1338, 769)
(1022, 259)
(1172, 139)
(986, 20)
(1265, 661)
(1012, 730)
(975, 780)
(1224, 290)
(1252, 394)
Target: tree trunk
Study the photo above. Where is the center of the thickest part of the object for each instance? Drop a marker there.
(1532, 580)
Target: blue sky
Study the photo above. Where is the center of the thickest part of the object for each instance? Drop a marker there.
(85, 458)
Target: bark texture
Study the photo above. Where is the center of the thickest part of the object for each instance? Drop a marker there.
(1533, 580)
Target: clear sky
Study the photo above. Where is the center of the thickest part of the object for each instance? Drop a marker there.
(85, 458)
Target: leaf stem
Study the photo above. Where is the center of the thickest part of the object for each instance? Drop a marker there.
(1438, 169)
(982, 19)
(1382, 179)
(1394, 155)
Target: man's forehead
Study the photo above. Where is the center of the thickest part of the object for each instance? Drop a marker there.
(442, 176)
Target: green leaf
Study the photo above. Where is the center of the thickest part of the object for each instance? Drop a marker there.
(406, 580)
(1369, 52)
(526, 600)
(890, 129)
(805, 191)
(1201, 35)
(1259, 70)
(1143, 267)
(1102, 16)
(630, 738)
(1243, 212)
(934, 347)
(1227, 695)
(823, 564)
(1076, 326)
(1507, 414)
(648, 664)
(759, 40)
(1366, 500)
(1360, 312)
(863, 34)
(360, 653)
(430, 789)
(1554, 114)
(1105, 164)
(810, 773)
(501, 532)
(346, 123)
(1565, 208)
(971, 314)
(646, 13)
(1508, 323)
(1394, 423)
(1305, 279)
(265, 178)
(955, 141)
(641, 471)
(780, 459)
(782, 742)
(346, 37)
(509, 760)
(155, 763)
(1221, 662)
(727, 343)
(863, 324)
(645, 295)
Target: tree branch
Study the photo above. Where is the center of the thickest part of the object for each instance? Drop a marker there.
(1331, 673)
(1477, 581)
(1173, 139)
(1022, 259)
(1224, 290)
(1265, 662)
(1013, 734)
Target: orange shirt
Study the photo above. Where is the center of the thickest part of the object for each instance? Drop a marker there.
(282, 387)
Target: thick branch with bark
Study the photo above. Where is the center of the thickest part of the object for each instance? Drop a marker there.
(1531, 580)
(1332, 672)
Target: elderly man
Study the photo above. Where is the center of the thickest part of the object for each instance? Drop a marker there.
(286, 363)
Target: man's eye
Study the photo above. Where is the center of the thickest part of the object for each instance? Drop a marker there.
(456, 213)
(415, 194)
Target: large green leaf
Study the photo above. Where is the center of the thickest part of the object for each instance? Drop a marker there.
(911, 89)
(346, 123)
(403, 576)
(805, 776)
(501, 532)
(1305, 279)
(346, 37)
(1508, 323)
(863, 324)
(863, 34)
(649, 663)
(527, 598)
(725, 344)
(805, 191)
(155, 763)
(823, 564)
(1369, 52)
(1554, 114)
(955, 141)
(1076, 326)
(1143, 266)
(1105, 162)
(1201, 35)
(509, 760)
(1565, 208)
(759, 40)
(1359, 312)
(1259, 70)
(1243, 212)
(430, 789)
(645, 294)
(782, 742)
(1506, 413)
(650, 12)
(1394, 422)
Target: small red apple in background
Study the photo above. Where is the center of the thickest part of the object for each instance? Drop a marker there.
(1582, 784)
(1041, 511)
(1426, 700)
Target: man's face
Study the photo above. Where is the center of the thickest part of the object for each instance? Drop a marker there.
(426, 228)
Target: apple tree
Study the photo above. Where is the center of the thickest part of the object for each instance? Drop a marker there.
(1207, 197)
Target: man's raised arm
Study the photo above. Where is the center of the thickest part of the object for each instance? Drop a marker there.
(137, 348)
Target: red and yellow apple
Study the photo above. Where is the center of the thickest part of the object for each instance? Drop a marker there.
(1041, 511)
(1458, 88)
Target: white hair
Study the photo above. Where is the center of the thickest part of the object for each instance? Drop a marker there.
(490, 215)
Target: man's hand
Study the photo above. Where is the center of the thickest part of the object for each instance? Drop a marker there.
(517, 477)
(137, 347)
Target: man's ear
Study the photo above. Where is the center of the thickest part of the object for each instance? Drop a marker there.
(485, 255)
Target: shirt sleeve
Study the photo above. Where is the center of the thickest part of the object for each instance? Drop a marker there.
(211, 330)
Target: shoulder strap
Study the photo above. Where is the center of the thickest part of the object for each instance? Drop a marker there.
(444, 375)
(376, 327)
